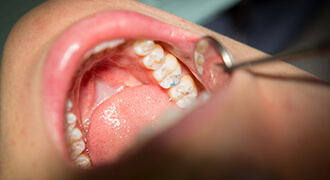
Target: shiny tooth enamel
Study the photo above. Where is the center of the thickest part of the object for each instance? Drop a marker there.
(83, 161)
(185, 93)
(73, 136)
(155, 59)
(76, 148)
(70, 122)
(68, 105)
(169, 74)
(104, 45)
(201, 48)
(199, 62)
(143, 47)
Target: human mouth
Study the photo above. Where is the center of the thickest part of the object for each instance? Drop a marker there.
(116, 72)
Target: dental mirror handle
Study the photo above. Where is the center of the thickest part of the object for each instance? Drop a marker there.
(321, 51)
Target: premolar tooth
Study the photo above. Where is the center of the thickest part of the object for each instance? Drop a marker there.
(74, 135)
(169, 74)
(185, 93)
(77, 148)
(83, 161)
(143, 47)
(155, 59)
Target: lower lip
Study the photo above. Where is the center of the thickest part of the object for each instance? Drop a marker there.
(68, 50)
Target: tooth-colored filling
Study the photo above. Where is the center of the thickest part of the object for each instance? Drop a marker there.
(122, 88)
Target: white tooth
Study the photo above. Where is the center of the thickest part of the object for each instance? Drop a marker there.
(202, 46)
(70, 121)
(187, 100)
(199, 62)
(103, 46)
(108, 45)
(68, 105)
(77, 148)
(169, 74)
(83, 161)
(74, 135)
(143, 47)
(185, 93)
(71, 118)
(155, 59)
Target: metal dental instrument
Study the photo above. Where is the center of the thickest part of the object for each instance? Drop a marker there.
(316, 50)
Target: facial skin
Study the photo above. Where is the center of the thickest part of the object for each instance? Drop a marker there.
(271, 120)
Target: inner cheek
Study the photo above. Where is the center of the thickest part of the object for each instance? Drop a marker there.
(115, 95)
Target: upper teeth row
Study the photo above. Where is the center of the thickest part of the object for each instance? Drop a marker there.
(105, 45)
(167, 72)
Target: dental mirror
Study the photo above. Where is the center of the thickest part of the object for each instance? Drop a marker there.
(211, 55)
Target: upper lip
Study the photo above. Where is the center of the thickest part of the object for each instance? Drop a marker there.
(67, 51)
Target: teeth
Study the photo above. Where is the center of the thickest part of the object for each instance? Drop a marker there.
(143, 47)
(74, 139)
(199, 62)
(71, 120)
(201, 48)
(83, 161)
(185, 93)
(74, 135)
(77, 148)
(68, 105)
(169, 74)
(103, 46)
(155, 59)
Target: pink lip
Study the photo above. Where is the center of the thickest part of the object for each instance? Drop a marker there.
(67, 51)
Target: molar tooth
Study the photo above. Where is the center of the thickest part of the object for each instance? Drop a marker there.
(155, 59)
(169, 74)
(199, 62)
(143, 47)
(187, 100)
(76, 148)
(70, 121)
(83, 161)
(74, 135)
(185, 93)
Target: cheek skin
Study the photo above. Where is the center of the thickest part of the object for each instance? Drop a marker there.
(25, 145)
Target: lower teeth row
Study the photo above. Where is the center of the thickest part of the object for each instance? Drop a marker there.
(74, 139)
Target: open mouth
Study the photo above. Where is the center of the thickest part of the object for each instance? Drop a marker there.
(112, 75)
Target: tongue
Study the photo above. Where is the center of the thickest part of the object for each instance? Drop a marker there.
(116, 122)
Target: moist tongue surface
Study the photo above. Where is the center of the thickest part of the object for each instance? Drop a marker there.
(116, 122)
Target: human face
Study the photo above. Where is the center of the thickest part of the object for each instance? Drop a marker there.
(249, 124)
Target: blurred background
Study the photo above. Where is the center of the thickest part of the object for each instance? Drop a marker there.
(268, 25)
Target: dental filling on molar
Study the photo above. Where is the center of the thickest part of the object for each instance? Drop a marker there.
(167, 71)
(169, 74)
(155, 59)
(185, 93)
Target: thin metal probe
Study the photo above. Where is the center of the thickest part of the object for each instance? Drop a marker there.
(316, 50)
